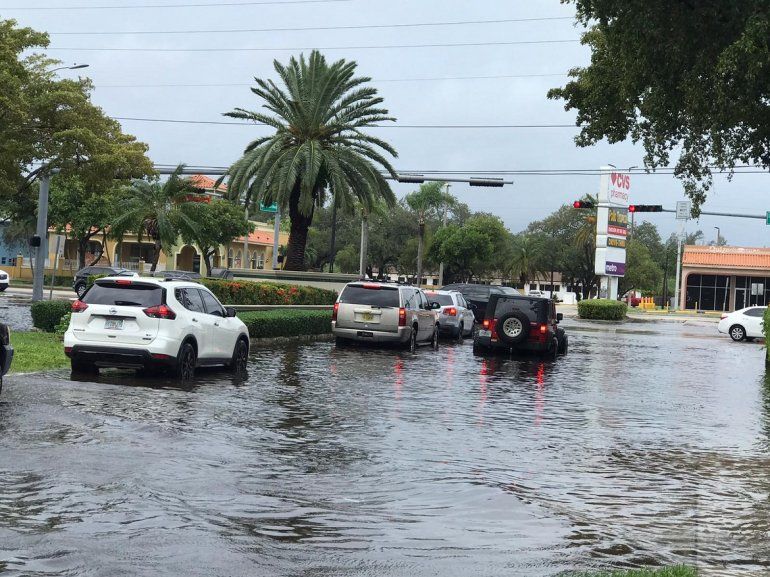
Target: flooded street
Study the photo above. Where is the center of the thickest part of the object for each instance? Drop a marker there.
(648, 444)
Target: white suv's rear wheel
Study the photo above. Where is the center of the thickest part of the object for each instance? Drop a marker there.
(185, 363)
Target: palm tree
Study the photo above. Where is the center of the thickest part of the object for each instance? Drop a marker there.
(526, 259)
(317, 146)
(158, 211)
(431, 198)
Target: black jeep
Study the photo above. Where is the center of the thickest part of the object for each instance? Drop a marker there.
(521, 323)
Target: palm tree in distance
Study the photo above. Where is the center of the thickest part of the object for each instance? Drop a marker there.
(526, 259)
(158, 211)
(317, 148)
(428, 201)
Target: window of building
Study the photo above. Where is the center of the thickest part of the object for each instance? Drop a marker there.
(708, 292)
(2, 260)
(751, 291)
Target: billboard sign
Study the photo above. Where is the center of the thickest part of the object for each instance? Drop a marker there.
(612, 223)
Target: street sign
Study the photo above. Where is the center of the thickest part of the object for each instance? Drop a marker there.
(683, 210)
(271, 208)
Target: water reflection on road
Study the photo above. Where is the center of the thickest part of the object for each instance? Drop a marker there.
(646, 445)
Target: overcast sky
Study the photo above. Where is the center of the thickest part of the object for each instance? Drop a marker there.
(121, 79)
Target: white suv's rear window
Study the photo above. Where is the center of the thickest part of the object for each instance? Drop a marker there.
(376, 296)
(124, 295)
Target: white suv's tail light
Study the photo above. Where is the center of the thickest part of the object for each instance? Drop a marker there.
(78, 306)
(160, 312)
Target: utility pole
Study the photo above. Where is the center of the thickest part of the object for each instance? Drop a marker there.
(443, 223)
(276, 231)
(246, 243)
(679, 266)
(332, 247)
(364, 243)
(42, 234)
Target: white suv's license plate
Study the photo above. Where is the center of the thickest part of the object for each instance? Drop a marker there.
(483, 333)
(114, 324)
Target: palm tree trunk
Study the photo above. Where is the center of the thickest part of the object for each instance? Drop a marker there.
(156, 256)
(420, 239)
(300, 224)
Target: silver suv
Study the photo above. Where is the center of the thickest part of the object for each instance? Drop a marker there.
(379, 312)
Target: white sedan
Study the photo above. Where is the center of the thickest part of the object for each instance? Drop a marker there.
(745, 324)
(4, 280)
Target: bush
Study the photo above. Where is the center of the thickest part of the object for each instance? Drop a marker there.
(63, 325)
(602, 309)
(265, 293)
(287, 323)
(47, 314)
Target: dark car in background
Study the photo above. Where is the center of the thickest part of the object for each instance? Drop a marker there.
(479, 294)
(518, 323)
(177, 274)
(6, 352)
(80, 284)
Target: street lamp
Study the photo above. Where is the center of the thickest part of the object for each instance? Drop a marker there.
(73, 67)
(718, 236)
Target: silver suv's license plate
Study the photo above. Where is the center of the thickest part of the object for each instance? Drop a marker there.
(483, 333)
(366, 334)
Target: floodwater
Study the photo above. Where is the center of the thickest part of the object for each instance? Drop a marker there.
(14, 312)
(646, 445)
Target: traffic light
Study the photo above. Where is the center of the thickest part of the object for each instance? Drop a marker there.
(645, 208)
(583, 204)
(494, 182)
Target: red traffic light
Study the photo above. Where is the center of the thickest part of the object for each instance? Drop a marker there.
(645, 208)
(583, 204)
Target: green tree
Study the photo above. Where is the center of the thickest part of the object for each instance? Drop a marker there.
(527, 258)
(680, 76)
(570, 245)
(318, 145)
(427, 202)
(475, 250)
(159, 211)
(53, 123)
(216, 223)
(642, 272)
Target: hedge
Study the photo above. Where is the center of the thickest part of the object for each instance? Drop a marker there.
(287, 323)
(47, 314)
(602, 309)
(266, 293)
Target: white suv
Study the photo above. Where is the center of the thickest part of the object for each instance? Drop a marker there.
(146, 322)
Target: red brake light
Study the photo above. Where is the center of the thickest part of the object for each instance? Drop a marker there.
(543, 329)
(451, 311)
(372, 286)
(334, 311)
(160, 312)
(485, 324)
(122, 281)
(78, 306)
(402, 317)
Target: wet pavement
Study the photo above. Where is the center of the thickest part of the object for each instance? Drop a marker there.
(14, 312)
(648, 444)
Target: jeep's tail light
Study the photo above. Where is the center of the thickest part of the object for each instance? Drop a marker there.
(160, 312)
(402, 317)
(334, 311)
(78, 306)
(543, 329)
(485, 324)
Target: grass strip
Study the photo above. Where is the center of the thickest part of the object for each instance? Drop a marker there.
(37, 352)
(677, 571)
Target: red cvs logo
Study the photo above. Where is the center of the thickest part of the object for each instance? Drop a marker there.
(620, 180)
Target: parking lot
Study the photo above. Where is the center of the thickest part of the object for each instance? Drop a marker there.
(649, 443)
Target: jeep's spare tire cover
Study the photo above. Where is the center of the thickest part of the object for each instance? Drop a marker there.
(513, 327)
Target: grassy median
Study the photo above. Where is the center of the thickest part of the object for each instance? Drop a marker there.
(37, 352)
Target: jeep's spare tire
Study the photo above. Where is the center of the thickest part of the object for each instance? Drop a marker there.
(513, 327)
